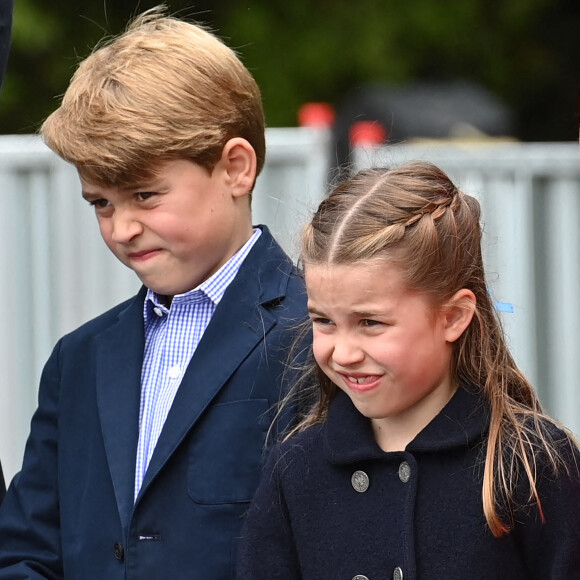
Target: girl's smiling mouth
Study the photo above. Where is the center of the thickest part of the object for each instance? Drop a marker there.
(361, 382)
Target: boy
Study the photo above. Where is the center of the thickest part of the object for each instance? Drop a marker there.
(148, 440)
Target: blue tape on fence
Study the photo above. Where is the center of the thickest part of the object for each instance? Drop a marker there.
(504, 307)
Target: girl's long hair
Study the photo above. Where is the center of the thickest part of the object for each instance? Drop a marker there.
(414, 217)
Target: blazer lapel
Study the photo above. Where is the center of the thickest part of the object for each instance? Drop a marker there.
(119, 361)
(240, 322)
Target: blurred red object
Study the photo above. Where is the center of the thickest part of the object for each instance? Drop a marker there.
(316, 115)
(367, 133)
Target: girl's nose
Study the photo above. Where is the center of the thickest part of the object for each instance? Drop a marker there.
(347, 351)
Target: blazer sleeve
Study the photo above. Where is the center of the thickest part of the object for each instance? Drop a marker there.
(30, 545)
(267, 550)
(6, 7)
(551, 549)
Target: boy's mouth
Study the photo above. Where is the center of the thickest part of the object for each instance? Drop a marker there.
(143, 255)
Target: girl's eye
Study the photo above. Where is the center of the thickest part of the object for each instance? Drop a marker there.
(369, 322)
(321, 321)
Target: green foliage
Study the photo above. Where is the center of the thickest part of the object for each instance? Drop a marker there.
(524, 51)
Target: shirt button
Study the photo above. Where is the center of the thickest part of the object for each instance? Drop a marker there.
(119, 552)
(174, 372)
(397, 574)
(404, 473)
(360, 481)
(360, 577)
(158, 311)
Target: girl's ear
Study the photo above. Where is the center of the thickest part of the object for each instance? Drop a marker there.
(458, 312)
(239, 162)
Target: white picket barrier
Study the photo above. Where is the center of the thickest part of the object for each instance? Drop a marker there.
(530, 198)
(58, 273)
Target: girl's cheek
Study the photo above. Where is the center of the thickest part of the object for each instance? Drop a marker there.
(321, 350)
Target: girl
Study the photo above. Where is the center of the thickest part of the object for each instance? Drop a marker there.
(426, 454)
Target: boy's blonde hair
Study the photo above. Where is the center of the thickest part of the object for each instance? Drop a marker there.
(163, 90)
(415, 218)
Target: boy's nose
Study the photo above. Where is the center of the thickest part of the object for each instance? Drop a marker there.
(124, 227)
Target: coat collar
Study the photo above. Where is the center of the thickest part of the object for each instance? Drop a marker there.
(348, 435)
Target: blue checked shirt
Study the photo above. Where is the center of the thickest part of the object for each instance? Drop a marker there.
(171, 337)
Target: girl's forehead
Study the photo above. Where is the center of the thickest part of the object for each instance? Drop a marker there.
(378, 267)
(364, 280)
(361, 290)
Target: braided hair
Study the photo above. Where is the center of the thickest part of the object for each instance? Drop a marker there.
(415, 218)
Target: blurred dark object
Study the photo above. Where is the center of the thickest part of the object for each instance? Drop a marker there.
(6, 7)
(2, 485)
(458, 110)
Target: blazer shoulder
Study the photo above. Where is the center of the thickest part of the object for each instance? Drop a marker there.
(132, 307)
(269, 276)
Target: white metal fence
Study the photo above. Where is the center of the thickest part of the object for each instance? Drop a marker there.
(57, 273)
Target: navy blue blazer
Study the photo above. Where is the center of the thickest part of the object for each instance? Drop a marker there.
(5, 30)
(332, 505)
(70, 512)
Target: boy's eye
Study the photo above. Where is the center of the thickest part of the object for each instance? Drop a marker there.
(370, 322)
(144, 195)
(99, 203)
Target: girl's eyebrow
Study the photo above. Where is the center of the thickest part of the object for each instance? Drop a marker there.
(355, 313)
(367, 314)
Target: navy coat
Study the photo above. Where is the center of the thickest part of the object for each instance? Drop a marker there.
(70, 512)
(332, 505)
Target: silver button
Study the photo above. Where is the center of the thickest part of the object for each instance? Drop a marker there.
(360, 481)
(397, 574)
(404, 475)
(158, 311)
(360, 577)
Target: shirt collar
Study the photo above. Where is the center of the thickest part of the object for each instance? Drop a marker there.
(348, 435)
(211, 289)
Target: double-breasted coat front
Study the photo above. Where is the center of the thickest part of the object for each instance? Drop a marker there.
(333, 506)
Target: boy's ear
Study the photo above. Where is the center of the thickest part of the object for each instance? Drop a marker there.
(458, 312)
(239, 163)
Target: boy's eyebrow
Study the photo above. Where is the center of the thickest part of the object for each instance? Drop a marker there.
(90, 196)
(135, 187)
